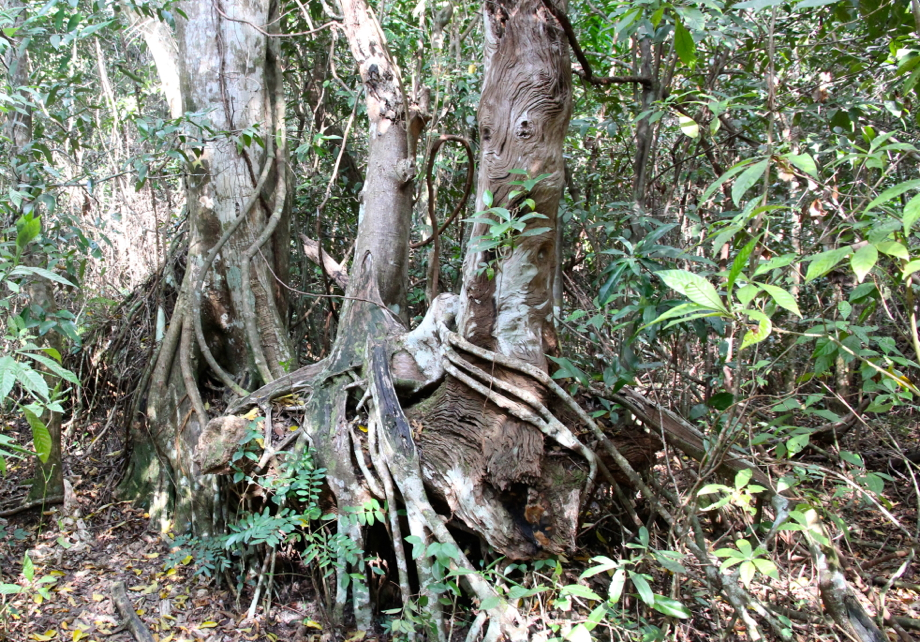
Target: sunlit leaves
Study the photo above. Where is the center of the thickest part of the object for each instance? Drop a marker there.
(694, 287)
(863, 260)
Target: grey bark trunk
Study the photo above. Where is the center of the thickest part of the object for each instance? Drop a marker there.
(490, 467)
(228, 66)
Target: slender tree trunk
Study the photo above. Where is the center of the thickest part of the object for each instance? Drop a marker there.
(49, 475)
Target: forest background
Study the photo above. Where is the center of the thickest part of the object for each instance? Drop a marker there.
(653, 374)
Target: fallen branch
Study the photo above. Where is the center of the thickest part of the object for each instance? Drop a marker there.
(45, 501)
(131, 620)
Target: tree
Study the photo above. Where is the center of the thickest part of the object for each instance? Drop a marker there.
(231, 311)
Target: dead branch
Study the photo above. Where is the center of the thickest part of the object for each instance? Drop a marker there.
(333, 268)
(126, 609)
(45, 501)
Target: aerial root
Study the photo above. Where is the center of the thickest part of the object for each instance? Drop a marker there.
(740, 600)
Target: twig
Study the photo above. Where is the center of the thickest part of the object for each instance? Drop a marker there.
(132, 621)
(587, 73)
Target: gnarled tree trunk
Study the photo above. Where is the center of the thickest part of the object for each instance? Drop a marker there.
(237, 200)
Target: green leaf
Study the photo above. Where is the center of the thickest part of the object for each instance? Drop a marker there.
(746, 293)
(24, 270)
(747, 572)
(670, 607)
(804, 162)
(683, 43)
(694, 287)
(28, 568)
(689, 126)
(764, 327)
(723, 178)
(824, 262)
(911, 213)
(27, 228)
(892, 192)
(783, 299)
(33, 381)
(721, 400)
(677, 311)
(766, 567)
(893, 248)
(41, 438)
(741, 262)
(577, 590)
(490, 603)
(742, 477)
(747, 180)
(642, 588)
(8, 370)
(54, 367)
(909, 269)
(617, 584)
(10, 589)
(863, 261)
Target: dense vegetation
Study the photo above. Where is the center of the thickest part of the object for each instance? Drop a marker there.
(733, 295)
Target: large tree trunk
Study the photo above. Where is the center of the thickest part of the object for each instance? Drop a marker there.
(491, 467)
(238, 206)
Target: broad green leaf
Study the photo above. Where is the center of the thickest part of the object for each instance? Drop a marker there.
(863, 261)
(578, 590)
(10, 589)
(694, 287)
(758, 334)
(782, 298)
(892, 192)
(893, 248)
(804, 162)
(677, 311)
(670, 607)
(24, 270)
(27, 228)
(766, 567)
(911, 213)
(742, 477)
(33, 381)
(8, 370)
(642, 588)
(747, 180)
(689, 126)
(683, 43)
(756, 5)
(737, 169)
(54, 367)
(909, 269)
(41, 438)
(747, 572)
(746, 293)
(824, 262)
(490, 603)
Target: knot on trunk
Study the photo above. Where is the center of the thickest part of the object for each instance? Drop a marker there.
(220, 440)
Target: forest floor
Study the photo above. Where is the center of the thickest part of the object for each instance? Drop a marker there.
(80, 548)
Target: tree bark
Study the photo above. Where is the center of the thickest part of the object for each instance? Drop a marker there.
(491, 468)
(226, 65)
